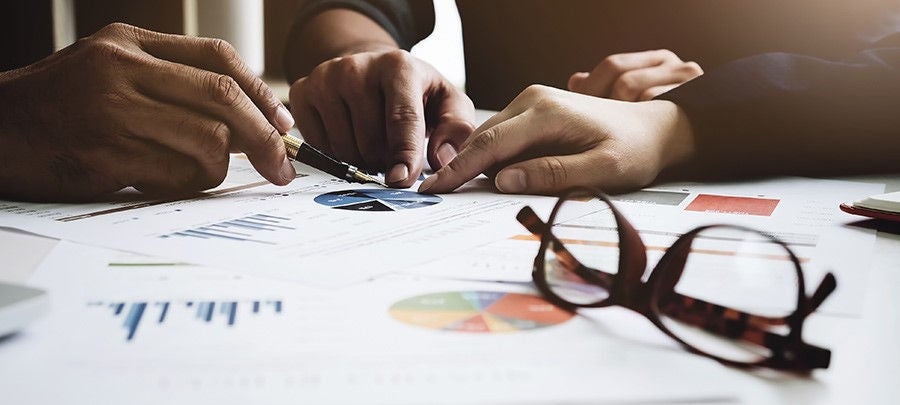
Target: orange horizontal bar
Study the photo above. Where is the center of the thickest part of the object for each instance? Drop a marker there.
(660, 248)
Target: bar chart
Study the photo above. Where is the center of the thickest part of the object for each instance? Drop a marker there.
(255, 228)
(133, 315)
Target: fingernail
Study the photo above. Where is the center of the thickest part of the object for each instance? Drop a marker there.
(287, 171)
(445, 154)
(511, 181)
(283, 119)
(428, 182)
(397, 174)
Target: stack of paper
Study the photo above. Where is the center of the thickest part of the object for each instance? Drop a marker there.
(325, 292)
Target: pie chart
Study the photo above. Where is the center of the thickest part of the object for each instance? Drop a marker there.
(478, 312)
(377, 200)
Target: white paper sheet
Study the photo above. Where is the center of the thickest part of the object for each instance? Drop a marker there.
(307, 231)
(354, 345)
(803, 212)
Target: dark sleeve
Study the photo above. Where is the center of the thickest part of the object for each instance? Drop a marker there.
(788, 96)
(408, 21)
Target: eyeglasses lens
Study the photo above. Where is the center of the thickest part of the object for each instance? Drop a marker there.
(580, 270)
(738, 269)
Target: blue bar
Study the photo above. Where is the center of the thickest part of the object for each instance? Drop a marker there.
(201, 309)
(232, 312)
(190, 235)
(263, 223)
(277, 306)
(262, 227)
(165, 310)
(272, 216)
(210, 228)
(255, 307)
(253, 221)
(209, 311)
(262, 218)
(237, 223)
(134, 318)
(204, 235)
(119, 307)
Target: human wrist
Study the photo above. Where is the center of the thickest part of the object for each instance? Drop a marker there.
(365, 46)
(330, 34)
(677, 134)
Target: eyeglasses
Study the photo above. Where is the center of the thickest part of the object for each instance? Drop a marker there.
(728, 292)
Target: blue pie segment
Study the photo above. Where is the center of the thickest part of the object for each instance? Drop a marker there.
(377, 200)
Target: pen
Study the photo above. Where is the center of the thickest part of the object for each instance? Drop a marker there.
(304, 153)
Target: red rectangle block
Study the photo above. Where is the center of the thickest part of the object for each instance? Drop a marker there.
(733, 205)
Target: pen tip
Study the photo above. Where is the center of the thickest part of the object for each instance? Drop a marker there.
(365, 178)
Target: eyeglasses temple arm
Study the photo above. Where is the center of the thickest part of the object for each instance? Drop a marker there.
(531, 221)
(825, 288)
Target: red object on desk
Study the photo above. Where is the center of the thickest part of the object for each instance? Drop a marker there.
(888, 216)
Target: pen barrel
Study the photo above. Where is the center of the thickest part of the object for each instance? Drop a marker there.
(313, 157)
(301, 151)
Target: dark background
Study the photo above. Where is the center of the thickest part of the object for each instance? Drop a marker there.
(26, 27)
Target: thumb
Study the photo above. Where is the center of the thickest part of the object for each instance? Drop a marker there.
(546, 175)
(405, 127)
(446, 141)
(455, 116)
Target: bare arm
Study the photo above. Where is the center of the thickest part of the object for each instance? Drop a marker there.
(333, 33)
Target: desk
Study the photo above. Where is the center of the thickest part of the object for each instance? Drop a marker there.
(866, 360)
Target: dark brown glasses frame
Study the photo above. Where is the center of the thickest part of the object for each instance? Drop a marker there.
(657, 296)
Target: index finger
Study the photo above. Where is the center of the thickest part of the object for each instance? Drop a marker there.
(405, 126)
(219, 96)
(599, 82)
(217, 55)
(499, 143)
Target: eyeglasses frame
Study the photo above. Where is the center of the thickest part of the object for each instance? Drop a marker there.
(787, 352)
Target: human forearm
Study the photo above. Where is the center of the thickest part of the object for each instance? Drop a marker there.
(332, 33)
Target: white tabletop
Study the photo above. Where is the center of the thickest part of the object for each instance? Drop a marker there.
(866, 355)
